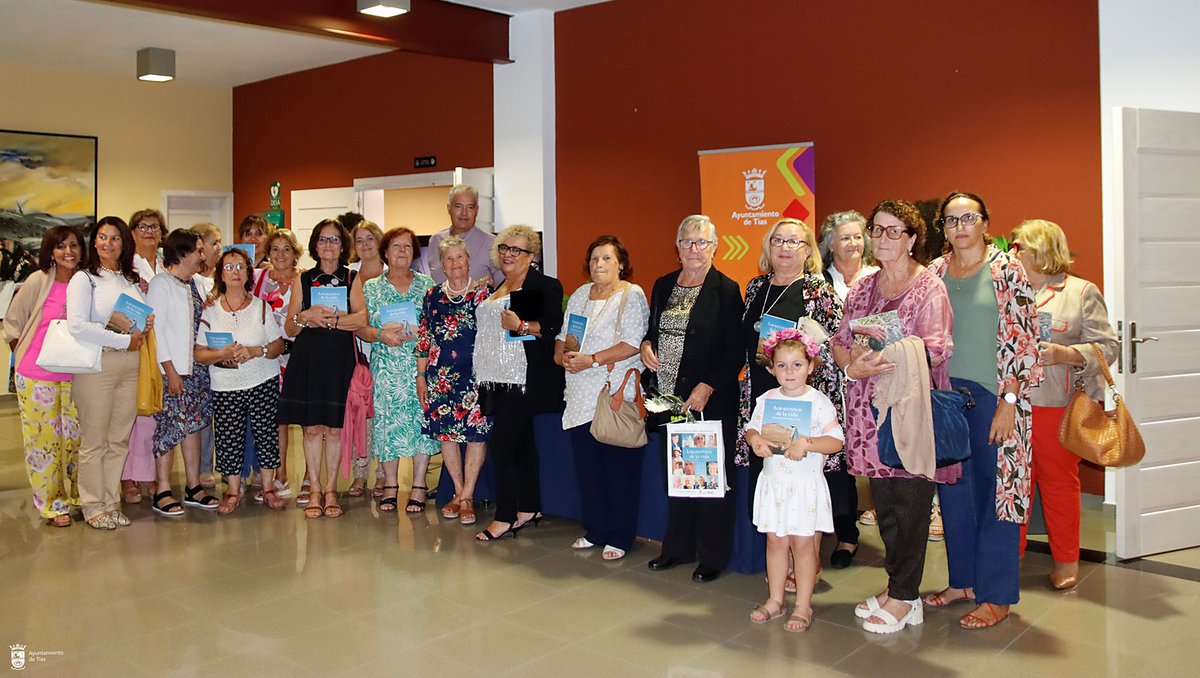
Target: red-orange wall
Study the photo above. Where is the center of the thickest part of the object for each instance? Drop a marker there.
(902, 99)
(324, 127)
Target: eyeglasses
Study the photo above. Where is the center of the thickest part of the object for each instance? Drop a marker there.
(967, 219)
(505, 249)
(698, 245)
(788, 243)
(149, 228)
(329, 240)
(230, 268)
(893, 232)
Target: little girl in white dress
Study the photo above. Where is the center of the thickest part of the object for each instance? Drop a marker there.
(791, 500)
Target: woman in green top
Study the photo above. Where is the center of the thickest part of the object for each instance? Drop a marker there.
(995, 357)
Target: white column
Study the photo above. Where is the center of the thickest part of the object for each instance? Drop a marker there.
(523, 122)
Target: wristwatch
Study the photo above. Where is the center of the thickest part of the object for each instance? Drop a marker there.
(595, 363)
(1010, 398)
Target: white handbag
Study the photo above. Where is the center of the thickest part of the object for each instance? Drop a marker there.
(63, 353)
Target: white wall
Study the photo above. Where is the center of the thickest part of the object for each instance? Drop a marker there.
(523, 122)
(1149, 58)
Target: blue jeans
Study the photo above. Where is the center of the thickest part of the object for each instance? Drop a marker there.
(982, 551)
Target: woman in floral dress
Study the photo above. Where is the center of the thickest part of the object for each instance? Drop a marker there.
(445, 383)
(397, 423)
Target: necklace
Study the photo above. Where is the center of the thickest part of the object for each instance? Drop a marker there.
(456, 296)
(105, 268)
(962, 271)
(323, 278)
(767, 309)
(233, 311)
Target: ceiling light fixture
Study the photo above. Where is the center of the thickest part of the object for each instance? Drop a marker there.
(155, 64)
(384, 8)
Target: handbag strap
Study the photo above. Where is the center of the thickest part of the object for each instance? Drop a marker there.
(638, 399)
(1104, 371)
(617, 328)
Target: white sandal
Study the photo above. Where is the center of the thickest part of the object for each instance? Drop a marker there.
(867, 608)
(612, 553)
(582, 543)
(916, 615)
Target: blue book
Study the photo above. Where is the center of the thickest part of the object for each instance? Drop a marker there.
(784, 421)
(218, 340)
(246, 247)
(771, 324)
(576, 329)
(127, 314)
(334, 297)
(404, 312)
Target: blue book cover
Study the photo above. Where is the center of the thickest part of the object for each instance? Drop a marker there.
(576, 329)
(127, 314)
(218, 340)
(784, 421)
(404, 312)
(772, 324)
(335, 297)
(246, 247)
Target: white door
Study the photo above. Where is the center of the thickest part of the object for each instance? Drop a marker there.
(183, 209)
(1152, 262)
(311, 206)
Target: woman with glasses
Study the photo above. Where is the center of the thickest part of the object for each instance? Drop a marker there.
(318, 375)
(845, 250)
(514, 367)
(107, 401)
(149, 229)
(996, 358)
(1071, 316)
(245, 377)
(902, 500)
(695, 353)
(790, 289)
(397, 422)
(187, 391)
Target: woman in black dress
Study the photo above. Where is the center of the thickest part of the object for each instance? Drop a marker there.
(322, 363)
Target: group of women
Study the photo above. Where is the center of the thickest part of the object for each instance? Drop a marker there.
(464, 366)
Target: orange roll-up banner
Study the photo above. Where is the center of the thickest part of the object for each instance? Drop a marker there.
(745, 190)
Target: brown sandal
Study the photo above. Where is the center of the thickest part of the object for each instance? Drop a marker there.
(314, 508)
(973, 621)
(332, 510)
(130, 494)
(61, 520)
(451, 511)
(230, 503)
(466, 511)
(271, 499)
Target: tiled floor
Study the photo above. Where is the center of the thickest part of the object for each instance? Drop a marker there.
(271, 594)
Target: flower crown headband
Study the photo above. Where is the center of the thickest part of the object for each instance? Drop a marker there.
(790, 334)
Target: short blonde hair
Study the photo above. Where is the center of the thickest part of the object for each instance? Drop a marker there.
(532, 240)
(811, 265)
(1047, 244)
(373, 229)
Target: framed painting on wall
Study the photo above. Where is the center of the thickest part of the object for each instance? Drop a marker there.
(45, 180)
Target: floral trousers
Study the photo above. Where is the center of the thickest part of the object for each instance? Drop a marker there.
(50, 433)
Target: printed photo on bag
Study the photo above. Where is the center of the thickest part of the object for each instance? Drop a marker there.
(694, 460)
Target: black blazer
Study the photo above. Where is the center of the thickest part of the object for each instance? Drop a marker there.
(712, 351)
(544, 381)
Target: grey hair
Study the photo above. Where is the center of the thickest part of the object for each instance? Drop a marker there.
(452, 241)
(462, 188)
(697, 222)
(829, 229)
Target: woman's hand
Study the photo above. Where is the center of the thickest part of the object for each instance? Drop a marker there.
(149, 322)
(876, 332)
(868, 364)
(1004, 421)
(1057, 354)
(509, 320)
(648, 358)
(576, 362)
(422, 392)
(318, 316)
(392, 334)
(698, 399)
(174, 383)
(135, 340)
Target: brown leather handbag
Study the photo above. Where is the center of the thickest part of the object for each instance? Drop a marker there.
(1105, 438)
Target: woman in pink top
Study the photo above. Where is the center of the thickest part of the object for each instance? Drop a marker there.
(49, 423)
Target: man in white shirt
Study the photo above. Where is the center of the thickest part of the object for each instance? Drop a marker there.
(463, 207)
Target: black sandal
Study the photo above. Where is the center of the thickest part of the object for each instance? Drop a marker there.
(207, 502)
(172, 510)
(388, 504)
(414, 506)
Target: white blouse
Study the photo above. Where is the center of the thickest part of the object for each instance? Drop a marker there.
(248, 329)
(172, 302)
(90, 300)
(602, 333)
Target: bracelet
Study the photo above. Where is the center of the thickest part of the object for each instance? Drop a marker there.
(379, 334)
(524, 327)
(846, 373)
